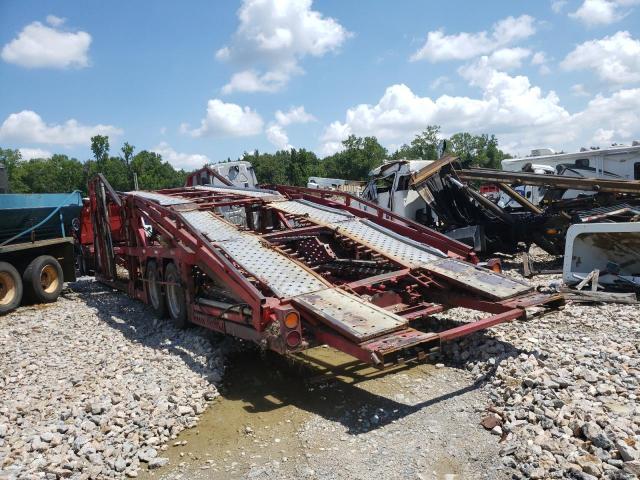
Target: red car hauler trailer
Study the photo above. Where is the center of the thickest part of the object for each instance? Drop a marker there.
(291, 269)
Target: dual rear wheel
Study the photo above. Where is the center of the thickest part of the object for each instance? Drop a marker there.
(170, 299)
(41, 282)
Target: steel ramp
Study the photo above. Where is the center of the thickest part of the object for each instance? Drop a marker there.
(285, 277)
(159, 198)
(348, 314)
(406, 251)
(247, 192)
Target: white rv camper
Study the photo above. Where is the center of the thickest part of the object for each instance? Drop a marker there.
(614, 162)
(621, 161)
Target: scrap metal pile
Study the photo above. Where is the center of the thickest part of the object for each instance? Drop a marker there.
(288, 270)
(460, 211)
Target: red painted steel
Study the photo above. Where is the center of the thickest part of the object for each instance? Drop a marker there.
(129, 230)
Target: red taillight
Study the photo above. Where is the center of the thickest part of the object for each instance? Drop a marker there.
(293, 339)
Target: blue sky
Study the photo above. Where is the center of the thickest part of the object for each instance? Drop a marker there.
(210, 80)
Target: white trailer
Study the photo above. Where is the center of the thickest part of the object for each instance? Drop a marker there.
(621, 161)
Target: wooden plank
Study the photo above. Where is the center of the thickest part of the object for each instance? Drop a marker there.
(605, 297)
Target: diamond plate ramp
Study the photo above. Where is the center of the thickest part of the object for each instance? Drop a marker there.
(389, 243)
(215, 229)
(486, 282)
(351, 316)
(160, 198)
(315, 213)
(247, 192)
(281, 274)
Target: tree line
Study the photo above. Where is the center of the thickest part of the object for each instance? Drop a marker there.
(360, 155)
(61, 173)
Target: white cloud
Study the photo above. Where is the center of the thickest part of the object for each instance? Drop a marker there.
(538, 58)
(39, 46)
(618, 114)
(186, 161)
(441, 81)
(55, 21)
(278, 137)
(251, 81)
(508, 58)
(517, 112)
(579, 90)
(294, 115)
(333, 136)
(226, 120)
(615, 59)
(271, 39)
(601, 12)
(464, 45)
(558, 5)
(29, 153)
(28, 126)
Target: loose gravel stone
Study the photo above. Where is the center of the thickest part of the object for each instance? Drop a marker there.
(565, 385)
(89, 385)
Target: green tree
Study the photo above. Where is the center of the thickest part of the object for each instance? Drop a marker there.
(11, 160)
(424, 146)
(100, 149)
(153, 173)
(57, 174)
(358, 158)
(127, 152)
(464, 146)
(477, 150)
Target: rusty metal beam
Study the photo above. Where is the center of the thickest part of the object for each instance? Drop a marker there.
(519, 198)
(550, 181)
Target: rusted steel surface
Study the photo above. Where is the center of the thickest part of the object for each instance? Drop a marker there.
(292, 270)
(479, 280)
(349, 314)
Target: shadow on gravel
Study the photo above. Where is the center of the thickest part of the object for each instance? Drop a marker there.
(320, 384)
(137, 322)
(326, 385)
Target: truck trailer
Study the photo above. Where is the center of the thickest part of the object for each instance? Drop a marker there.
(37, 249)
(291, 268)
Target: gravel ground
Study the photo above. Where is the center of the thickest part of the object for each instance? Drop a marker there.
(93, 386)
(564, 394)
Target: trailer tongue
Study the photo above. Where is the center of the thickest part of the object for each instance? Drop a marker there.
(289, 273)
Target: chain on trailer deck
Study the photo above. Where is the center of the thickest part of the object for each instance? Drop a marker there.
(272, 279)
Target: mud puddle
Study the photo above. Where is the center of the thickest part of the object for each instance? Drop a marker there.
(264, 402)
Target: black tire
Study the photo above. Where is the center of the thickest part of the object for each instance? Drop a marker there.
(10, 288)
(43, 279)
(175, 299)
(154, 289)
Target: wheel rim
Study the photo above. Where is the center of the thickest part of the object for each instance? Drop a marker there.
(154, 291)
(174, 296)
(49, 279)
(7, 288)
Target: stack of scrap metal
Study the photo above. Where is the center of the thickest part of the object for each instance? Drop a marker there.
(460, 211)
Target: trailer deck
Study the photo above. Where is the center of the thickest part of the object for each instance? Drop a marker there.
(289, 272)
